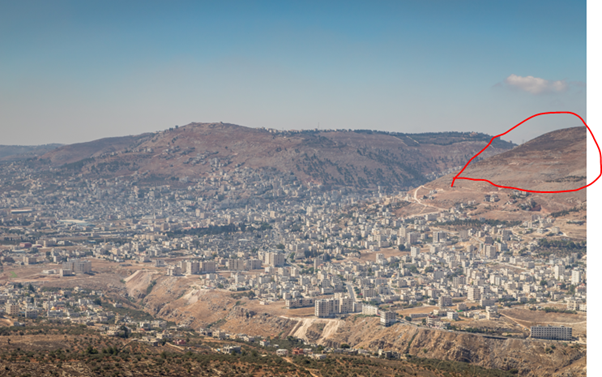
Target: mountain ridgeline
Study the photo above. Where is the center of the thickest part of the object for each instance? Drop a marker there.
(360, 158)
(22, 152)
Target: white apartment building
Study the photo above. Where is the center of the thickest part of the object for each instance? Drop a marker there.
(445, 301)
(474, 294)
(274, 259)
(552, 332)
(439, 237)
(387, 318)
(11, 309)
(329, 307)
(576, 277)
(558, 272)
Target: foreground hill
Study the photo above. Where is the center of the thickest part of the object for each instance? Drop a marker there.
(197, 307)
(337, 157)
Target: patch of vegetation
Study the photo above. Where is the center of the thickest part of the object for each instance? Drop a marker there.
(564, 212)
(78, 165)
(137, 315)
(149, 289)
(463, 369)
(578, 222)
(217, 323)
(249, 294)
(556, 310)
(560, 247)
(211, 230)
(478, 330)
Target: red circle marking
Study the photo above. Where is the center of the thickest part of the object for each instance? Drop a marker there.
(457, 176)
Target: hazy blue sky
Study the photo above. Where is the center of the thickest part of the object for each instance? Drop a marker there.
(74, 71)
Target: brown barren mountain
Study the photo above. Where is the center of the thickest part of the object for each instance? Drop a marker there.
(338, 157)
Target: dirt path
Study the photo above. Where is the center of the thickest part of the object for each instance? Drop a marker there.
(176, 347)
(515, 321)
(424, 206)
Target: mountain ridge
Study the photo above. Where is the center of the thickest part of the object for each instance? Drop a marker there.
(363, 158)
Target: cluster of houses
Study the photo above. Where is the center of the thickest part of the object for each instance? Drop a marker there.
(263, 231)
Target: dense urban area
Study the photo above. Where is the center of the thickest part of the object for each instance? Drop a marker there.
(318, 254)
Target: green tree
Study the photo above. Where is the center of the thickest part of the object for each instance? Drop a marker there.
(572, 289)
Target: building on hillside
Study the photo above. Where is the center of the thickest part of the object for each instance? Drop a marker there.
(330, 307)
(78, 266)
(192, 267)
(552, 332)
(282, 352)
(299, 303)
(387, 318)
(11, 309)
(369, 309)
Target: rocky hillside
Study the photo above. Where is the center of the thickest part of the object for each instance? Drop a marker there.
(184, 302)
(529, 357)
(340, 157)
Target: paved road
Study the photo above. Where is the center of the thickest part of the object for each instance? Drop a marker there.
(351, 291)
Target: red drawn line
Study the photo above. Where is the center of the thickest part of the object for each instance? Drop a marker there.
(520, 189)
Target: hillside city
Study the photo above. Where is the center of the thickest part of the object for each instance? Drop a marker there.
(273, 238)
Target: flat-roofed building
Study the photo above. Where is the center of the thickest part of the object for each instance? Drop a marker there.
(78, 266)
(445, 301)
(192, 267)
(299, 303)
(11, 309)
(552, 332)
(387, 318)
(474, 294)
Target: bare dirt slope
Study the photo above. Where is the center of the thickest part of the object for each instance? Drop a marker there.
(551, 162)
(529, 357)
(554, 161)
